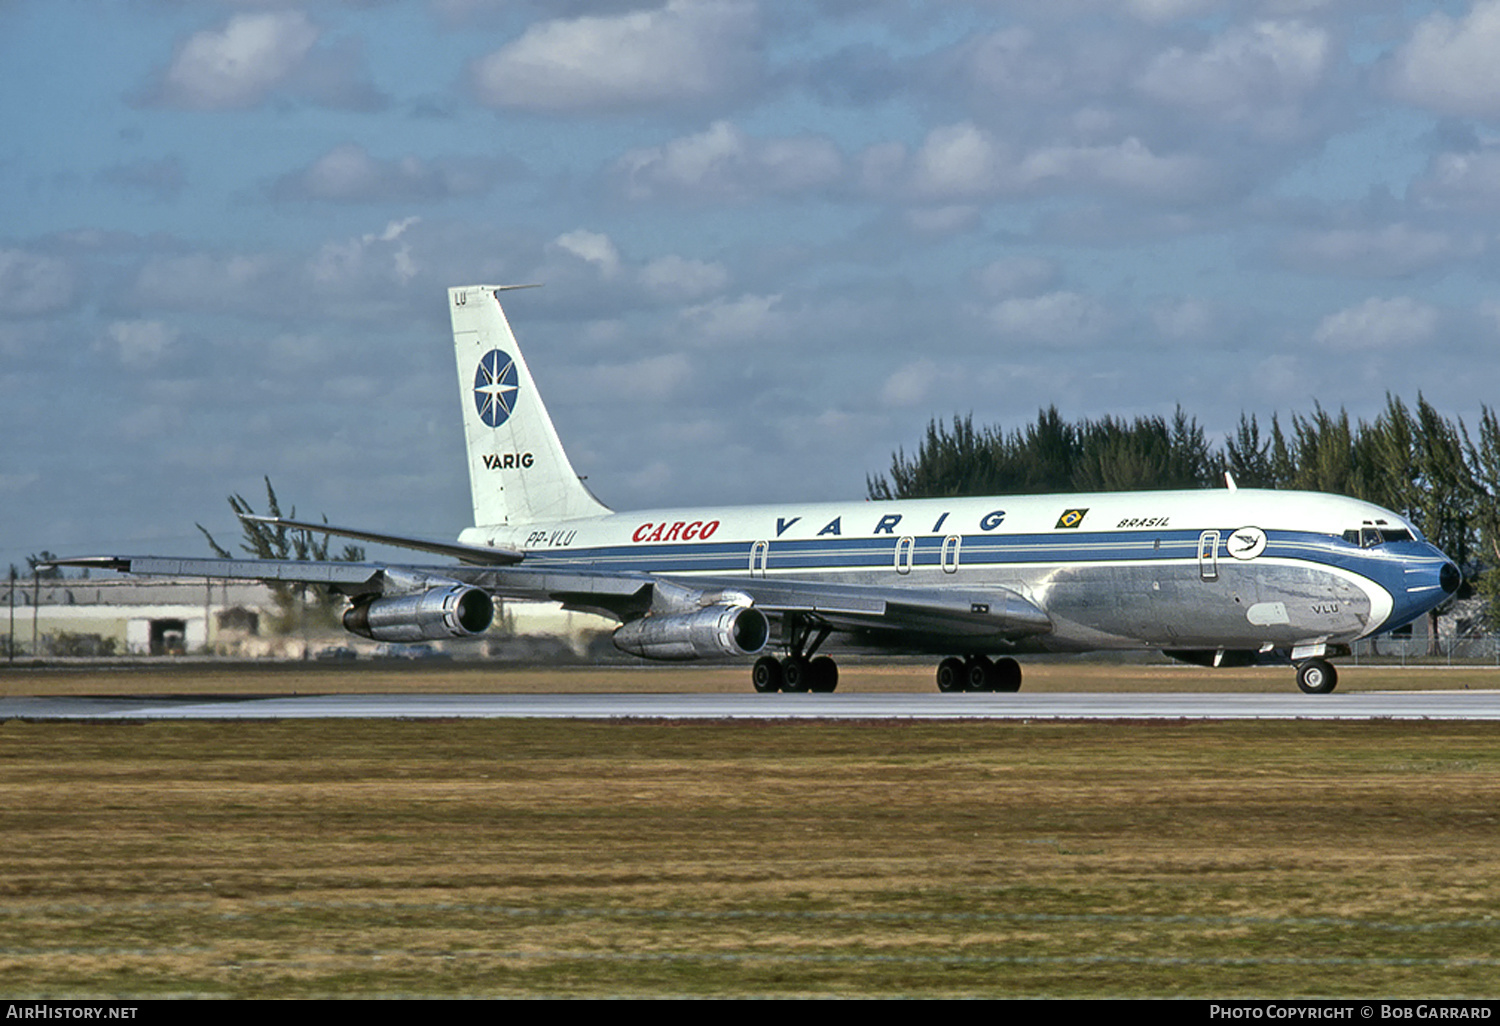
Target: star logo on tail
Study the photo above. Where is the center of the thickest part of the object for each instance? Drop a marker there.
(495, 388)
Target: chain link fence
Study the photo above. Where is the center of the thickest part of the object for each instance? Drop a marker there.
(1453, 647)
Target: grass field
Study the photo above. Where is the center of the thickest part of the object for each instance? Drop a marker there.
(884, 859)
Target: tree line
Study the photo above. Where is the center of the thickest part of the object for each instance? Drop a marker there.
(261, 540)
(1430, 468)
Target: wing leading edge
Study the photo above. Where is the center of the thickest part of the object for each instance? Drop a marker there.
(957, 613)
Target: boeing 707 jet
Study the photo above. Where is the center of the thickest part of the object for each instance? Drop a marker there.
(1225, 576)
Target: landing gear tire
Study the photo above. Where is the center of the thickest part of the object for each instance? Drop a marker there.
(979, 674)
(766, 676)
(796, 674)
(799, 671)
(951, 675)
(1317, 677)
(824, 675)
(1007, 674)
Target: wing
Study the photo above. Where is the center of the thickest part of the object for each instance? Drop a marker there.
(400, 603)
(618, 595)
(405, 603)
(893, 614)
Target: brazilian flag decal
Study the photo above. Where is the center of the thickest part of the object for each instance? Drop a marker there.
(1071, 518)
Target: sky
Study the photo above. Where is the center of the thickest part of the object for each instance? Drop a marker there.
(775, 239)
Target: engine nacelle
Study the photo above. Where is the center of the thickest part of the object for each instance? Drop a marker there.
(453, 611)
(708, 633)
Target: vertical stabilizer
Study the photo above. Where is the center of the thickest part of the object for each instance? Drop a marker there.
(518, 472)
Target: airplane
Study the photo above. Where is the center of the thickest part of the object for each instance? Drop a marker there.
(1217, 577)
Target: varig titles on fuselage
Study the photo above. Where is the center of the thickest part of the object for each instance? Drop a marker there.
(892, 524)
(888, 524)
(702, 528)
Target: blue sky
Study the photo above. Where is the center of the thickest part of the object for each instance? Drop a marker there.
(776, 239)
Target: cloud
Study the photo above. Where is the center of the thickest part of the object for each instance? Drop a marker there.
(1466, 179)
(1258, 75)
(1185, 319)
(1378, 324)
(747, 318)
(348, 174)
(592, 248)
(1012, 64)
(372, 257)
(650, 379)
(33, 284)
(960, 161)
(1393, 251)
(1168, 10)
(1128, 166)
(723, 163)
(1018, 276)
(141, 343)
(964, 161)
(238, 65)
(277, 284)
(1057, 318)
(335, 76)
(914, 383)
(204, 281)
(680, 54)
(1448, 65)
(677, 278)
(943, 219)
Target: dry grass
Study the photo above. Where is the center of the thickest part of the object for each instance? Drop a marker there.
(538, 857)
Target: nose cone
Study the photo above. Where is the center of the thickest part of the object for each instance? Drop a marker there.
(1430, 576)
(1449, 578)
(1427, 579)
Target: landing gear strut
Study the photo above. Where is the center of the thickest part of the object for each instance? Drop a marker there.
(800, 670)
(979, 673)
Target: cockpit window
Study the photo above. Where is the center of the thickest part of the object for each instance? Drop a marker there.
(1368, 537)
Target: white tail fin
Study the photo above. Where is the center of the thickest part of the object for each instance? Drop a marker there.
(518, 472)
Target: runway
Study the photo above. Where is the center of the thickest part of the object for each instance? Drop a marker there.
(1391, 705)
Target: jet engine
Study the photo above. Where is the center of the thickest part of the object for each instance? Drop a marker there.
(722, 629)
(451, 611)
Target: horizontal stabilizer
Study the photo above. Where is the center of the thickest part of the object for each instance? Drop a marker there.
(348, 577)
(477, 554)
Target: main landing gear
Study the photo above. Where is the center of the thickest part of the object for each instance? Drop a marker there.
(979, 673)
(800, 670)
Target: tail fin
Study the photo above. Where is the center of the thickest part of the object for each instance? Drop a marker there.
(518, 471)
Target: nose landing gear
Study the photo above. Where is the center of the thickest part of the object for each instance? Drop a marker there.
(1317, 676)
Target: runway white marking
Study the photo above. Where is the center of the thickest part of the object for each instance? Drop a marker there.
(1394, 705)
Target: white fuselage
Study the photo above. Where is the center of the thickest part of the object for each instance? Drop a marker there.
(1241, 568)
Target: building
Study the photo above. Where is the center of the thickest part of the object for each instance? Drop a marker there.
(127, 616)
(117, 616)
